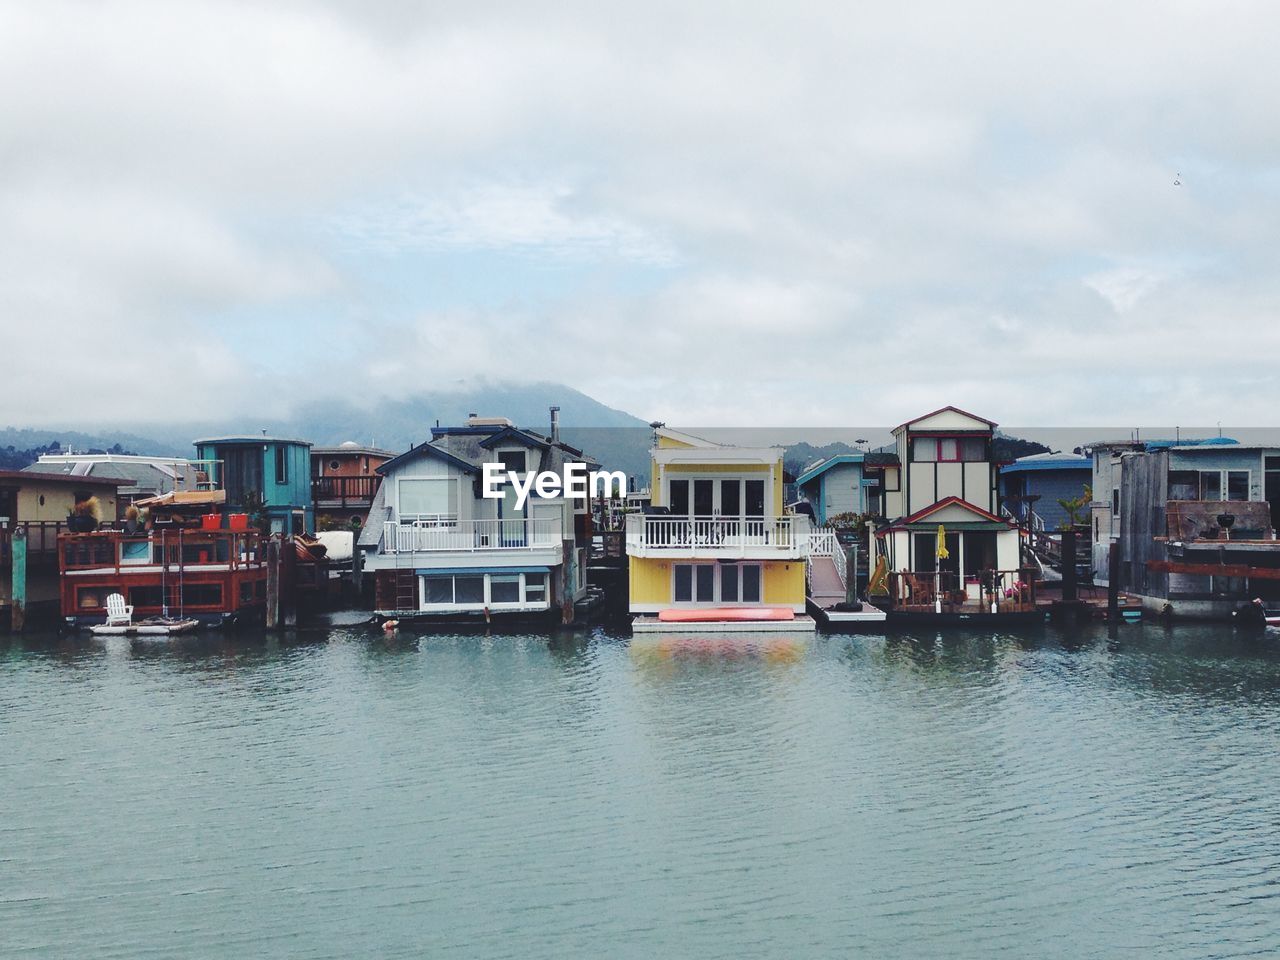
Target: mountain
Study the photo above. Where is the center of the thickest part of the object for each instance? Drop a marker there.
(618, 439)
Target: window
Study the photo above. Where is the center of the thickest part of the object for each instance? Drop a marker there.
(146, 597)
(202, 594)
(948, 449)
(91, 598)
(282, 463)
(1115, 501)
(683, 592)
(924, 449)
(135, 552)
(1237, 484)
(1184, 485)
(428, 498)
(468, 589)
(514, 461)
(729, 583)
(504, 588)
(679, 497)
(535, 588)
(755, 498)
(1210, 485)
(712, 583)
(437, 589)
(333, 464)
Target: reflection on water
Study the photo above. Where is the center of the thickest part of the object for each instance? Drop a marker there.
(341, 792)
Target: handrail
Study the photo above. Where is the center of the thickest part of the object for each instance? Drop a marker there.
(718, 534)
(988, 591)
(520, 533)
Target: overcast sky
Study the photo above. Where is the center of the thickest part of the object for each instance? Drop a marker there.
(705, 213)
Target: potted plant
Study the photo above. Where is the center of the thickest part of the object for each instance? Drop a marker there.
(85, 516)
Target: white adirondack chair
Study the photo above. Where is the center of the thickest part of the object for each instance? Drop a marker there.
(119, 613)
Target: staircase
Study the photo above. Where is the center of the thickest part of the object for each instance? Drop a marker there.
(826, 586)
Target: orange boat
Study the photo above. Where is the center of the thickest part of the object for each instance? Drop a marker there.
(726, 614)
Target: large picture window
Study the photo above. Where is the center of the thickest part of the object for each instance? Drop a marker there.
(477, 590)
(716, 583)
(948, 449)
(428, 498)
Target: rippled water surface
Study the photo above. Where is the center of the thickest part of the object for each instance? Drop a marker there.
(340, 794)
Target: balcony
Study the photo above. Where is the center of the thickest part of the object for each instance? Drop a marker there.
(472, 536)
(751, 538)
(339, 493)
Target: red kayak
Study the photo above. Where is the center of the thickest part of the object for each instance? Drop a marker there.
(724, 614)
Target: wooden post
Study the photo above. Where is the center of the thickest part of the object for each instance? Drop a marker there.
(273, 583)
(288, 582)
(850, 572)
(1068, 566)
(566, 592)
(1113, 584)
(18, 605)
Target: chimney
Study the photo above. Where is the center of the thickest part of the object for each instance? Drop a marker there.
(555, 424)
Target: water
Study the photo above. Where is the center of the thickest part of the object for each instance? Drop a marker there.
(340, 794)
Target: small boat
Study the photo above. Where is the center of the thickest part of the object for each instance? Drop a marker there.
(726, 614)
(153, 626)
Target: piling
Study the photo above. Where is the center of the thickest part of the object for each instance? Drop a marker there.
(18, 605)
(851, 573)
(1068, 566)
(273, 583)
(288, 582)
(566, 591)
(1113, 584)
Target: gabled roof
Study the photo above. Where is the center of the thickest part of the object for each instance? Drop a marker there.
(425, 450)
(948, 408)
(820, 468)
(921, 516)
(515, 435)
(1048, 461)
(682, 437)
(64, 478)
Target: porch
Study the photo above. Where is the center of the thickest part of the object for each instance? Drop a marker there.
(692, 537)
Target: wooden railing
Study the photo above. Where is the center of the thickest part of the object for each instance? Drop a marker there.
(42, 539)
(525, 533)
(344, 491)
(717, 536)
(1005, 590)
(120, 552)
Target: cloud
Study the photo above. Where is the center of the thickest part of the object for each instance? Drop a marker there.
(700, 212)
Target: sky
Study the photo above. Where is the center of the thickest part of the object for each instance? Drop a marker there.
(716, 213)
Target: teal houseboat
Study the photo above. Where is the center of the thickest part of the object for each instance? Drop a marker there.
(272, 470)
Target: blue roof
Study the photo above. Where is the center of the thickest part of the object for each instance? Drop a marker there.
(1049, 461)
(1207, 442)
(827, 464)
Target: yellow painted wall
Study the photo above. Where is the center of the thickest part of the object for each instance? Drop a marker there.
(784, 582)
(650, 580)
(670, 443)
(59, 498)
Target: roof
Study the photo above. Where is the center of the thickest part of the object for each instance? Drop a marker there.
(185, 498)
(933, 413)
(426, 450)
(821, 468)
(1192, 444)
(921, 516)
(1048, 461)
(249, 439)
(880, 458)
(353, 449)
(136, 473)
(74, 481)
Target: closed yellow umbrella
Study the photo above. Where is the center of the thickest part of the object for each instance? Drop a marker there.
(942, 553)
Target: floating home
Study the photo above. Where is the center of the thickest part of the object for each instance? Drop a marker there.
(270, 474)
(35, 508)
(1196, 528)
(439, 550)
(344, 480)
(1033, 487)
(140, 477)
(715, 548)
(946, 478)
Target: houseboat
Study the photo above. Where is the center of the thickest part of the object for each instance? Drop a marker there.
(188, 561)
(715, 550)
(1196, 530)
(344, 480)
(944, 555)
(441, 552)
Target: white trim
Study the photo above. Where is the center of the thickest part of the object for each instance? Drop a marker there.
(716, 581)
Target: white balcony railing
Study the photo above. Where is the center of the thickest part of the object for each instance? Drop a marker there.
(717, 536)
(526, 533)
